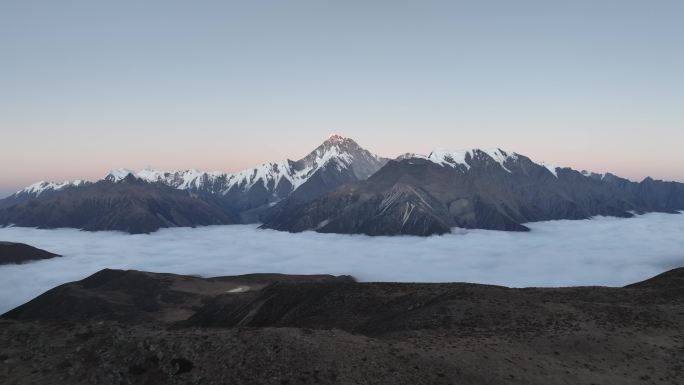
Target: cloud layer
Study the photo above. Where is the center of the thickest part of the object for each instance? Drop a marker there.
(600, 251)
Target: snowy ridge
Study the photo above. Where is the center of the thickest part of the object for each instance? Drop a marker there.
(193, 179)
(183, 180)
(118, 174)
(337, 151)
(266, 173)
(410, 155)
(333, 151)
(552, 168)
(39, 187)
(594, 175)
(447, 157)
(296, 173)
(453, 158)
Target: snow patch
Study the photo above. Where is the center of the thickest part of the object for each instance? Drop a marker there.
(552, 168)
(451, 158)
(239, 289)
(118, 174)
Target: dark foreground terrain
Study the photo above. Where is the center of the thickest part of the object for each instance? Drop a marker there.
(130, 327)
(11, 252)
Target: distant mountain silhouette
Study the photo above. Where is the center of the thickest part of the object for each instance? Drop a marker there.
(342, 188)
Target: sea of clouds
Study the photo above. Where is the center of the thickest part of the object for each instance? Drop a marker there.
(600, 251)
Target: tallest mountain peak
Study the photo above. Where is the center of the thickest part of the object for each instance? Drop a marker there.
(336, 138)
(344, 153)
(339, 142)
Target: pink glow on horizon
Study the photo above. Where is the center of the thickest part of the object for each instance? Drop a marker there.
(58, 170)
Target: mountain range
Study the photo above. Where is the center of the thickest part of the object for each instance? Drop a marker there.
(483, 189)
(145, 201)
(341, 187)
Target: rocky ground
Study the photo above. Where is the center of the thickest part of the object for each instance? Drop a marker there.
(129, 327)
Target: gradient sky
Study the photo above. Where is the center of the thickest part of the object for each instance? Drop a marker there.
(87, 86)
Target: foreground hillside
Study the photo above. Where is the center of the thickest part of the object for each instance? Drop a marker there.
(129, 327)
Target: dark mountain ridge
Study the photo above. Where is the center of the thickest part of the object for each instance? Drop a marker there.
(129, 205)
(12, 252)
(419, 196)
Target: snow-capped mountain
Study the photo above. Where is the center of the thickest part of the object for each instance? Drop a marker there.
(129, 205)
(38, 188)
(247, 194)
(463, 158)
(486, 189)
(279, 177)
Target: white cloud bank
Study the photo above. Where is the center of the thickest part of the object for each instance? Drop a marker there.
(601, 251)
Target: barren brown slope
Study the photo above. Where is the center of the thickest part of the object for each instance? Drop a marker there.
(326, 330)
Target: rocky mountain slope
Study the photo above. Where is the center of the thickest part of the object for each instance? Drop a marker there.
(485, 189)
(144, 328)
(129, 205)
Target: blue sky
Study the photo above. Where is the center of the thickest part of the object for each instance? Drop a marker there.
(87, 86)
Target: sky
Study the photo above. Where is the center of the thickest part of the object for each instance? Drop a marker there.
(601, 251)
(87, 86)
